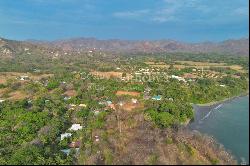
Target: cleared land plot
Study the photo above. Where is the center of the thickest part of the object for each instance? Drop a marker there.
(110, 74)
(198, 65)
(130, 93)
(208, 65)
(192, 63)
(70, 93)
(131, 106)
(17, 95)
(4, 76)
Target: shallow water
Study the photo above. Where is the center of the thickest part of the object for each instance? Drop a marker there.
(228, 123)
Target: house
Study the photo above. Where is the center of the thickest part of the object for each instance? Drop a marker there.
(146, 97)
(75, 127)
(178, 78)
(112, 106)
(82, 105)
(67, 151)
(96, 112)
(134, 101)
(120, 103)
(109, 102)
(66, 98)
(222, 85)
(170, 99)
(75, 144)
(72, 105)
(101, 102)
(97, 138)
(1, 100)
(22, 78)
(189, 76)
(65, 135)
(158, 97)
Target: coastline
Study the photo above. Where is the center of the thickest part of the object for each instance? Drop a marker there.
(202, 111)
(213, 103)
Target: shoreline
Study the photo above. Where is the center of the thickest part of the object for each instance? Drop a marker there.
(203, 110)
(213, 103)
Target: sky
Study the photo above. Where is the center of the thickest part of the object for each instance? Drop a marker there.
(182, 20)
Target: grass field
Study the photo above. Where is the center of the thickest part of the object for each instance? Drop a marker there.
(4, 76)
(198, 65)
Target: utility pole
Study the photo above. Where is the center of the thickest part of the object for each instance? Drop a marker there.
(202, 71)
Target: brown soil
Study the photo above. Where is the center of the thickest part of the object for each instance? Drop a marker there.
(130, 139)
(17, 95)
(131, 93)
(70, 93)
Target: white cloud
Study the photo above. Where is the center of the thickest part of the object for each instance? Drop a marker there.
(132, 14)
(242, 11)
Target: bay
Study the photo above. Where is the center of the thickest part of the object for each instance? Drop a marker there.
(228, 123)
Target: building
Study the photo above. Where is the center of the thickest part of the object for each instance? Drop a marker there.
(65, 135)
(22, 78)
(96, 112)
(82, 105)
(66, 98)
(178, 78)
(134, 101)
(75, 144)
(158, 97)
(75, 127)
(67, 151)
(109, 102)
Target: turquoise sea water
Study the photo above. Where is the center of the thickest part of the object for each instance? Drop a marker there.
(228, 123)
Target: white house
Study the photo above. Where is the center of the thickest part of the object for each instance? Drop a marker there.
(178, 78)
(96, 112)
(65, 135)
(1, 100)
(75, 127)
(22, 78)
(82, 105)
(72, 105)
(134, 101)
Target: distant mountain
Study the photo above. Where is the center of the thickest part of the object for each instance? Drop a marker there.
(238, 47)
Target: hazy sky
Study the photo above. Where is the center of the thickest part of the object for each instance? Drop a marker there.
(185, 20)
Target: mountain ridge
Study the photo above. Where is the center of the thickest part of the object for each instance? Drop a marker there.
(239, 47)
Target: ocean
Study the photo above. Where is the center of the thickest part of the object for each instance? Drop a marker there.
(228, 123)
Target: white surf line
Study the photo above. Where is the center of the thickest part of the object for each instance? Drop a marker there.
(218, 107)
(206, 116)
